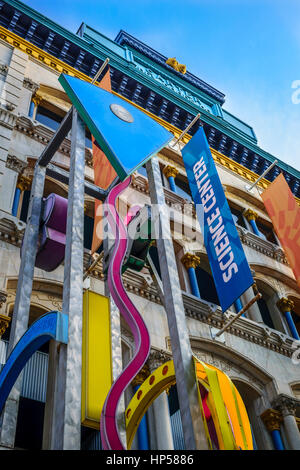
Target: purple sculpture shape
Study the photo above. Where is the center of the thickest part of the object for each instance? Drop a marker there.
(52, 234)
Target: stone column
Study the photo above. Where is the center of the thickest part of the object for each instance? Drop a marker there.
(286, 306)
(272, 420)
(162, 420)
(287, 405)
(171, 172)
(190, 262)
(251, 216)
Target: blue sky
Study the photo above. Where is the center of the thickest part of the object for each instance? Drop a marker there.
(248, 49)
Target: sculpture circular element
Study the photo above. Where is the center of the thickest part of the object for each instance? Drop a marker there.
(226, 422)
(121, 112)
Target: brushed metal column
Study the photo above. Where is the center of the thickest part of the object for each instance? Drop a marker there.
(66, 421)
(192, 423)
(22, 302)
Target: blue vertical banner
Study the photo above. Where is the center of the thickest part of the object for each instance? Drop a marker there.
(227, 259)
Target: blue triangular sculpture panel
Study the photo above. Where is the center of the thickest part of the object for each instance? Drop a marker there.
(127, 145)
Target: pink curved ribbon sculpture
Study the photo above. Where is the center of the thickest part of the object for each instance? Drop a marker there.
(108, 424)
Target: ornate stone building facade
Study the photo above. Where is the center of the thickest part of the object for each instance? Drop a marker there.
(259, 351)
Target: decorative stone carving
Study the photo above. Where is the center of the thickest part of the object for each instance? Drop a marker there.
(286, 404)
(10, 106)
(3, 69)
(24, 183)
(285, 305)
(271, 419)
(190, 260)
(141, 376)
(3, 297)
(30, 85)
(14, 163)
(4, 322)
(37, 99)
(7, 118)
(170, 171)
(157, 358)
(250, 214)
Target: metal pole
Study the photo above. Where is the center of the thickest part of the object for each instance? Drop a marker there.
(100, 70)
(22, 302)
(187, 129)
(249, 188)
(192, 423)
(66, 419)
(238, 315)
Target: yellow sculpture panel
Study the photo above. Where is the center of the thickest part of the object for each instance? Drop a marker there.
(96, 357)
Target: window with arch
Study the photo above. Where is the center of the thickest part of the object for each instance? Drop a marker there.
(270, 314)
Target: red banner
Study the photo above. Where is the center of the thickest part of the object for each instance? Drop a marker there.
(284, 212)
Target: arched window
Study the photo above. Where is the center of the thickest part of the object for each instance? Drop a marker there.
(271, 315)
(251, 400)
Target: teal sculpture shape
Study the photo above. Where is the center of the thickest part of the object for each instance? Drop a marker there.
(127, 136)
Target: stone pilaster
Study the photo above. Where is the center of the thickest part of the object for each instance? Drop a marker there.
(10, 98)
